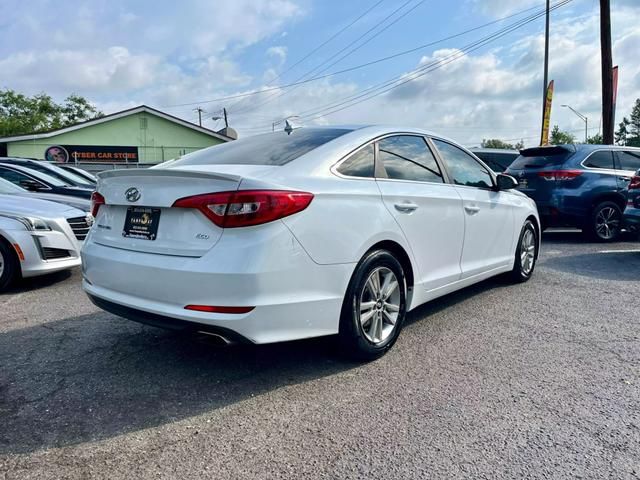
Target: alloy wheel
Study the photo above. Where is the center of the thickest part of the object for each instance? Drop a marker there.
(527, 252)
(607, 223)
(379, 305)
(1, 264)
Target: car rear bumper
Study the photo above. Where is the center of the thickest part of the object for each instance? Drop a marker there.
(632, 218)
(293, 297)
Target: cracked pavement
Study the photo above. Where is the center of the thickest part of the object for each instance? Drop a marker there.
(539, 380)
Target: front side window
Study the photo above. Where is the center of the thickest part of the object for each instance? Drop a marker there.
(463, 168)
(360, 164)
(629, 160)
(601, 159)
(406, 157)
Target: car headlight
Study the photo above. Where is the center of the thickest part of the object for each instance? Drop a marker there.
(38, 224)
(31, 223)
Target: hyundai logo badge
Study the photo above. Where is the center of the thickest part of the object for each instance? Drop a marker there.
(132, 194)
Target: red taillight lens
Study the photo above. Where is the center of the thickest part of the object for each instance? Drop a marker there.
(635, 182)
(215, 309)
(244, 208)
(96, 201)
(560, 175)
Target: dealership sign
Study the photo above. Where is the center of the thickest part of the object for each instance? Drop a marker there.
(91, 153)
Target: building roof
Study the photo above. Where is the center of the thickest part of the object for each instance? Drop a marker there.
(115, 116)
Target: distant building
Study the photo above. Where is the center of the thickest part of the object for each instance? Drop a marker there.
(137, 135)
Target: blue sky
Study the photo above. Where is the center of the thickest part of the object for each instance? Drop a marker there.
(120, 54)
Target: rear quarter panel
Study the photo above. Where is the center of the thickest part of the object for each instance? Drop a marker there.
(345, 218)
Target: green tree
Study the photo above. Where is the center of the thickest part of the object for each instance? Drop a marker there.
(595, 139)
(495, 143)
(623, 132)
(20, 114)
(558, 137)
(633, 138)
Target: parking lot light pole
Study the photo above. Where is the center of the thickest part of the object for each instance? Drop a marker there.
(584, 119)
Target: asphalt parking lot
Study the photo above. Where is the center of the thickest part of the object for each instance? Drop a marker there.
(540, 380)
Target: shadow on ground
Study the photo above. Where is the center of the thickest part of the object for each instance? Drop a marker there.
(33, 283)
(96, 376)
(622, 266)
(577, 237)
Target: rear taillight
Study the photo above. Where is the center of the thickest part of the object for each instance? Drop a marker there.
(244, 208)
(560, 175)
(635, 182)
(96, 201)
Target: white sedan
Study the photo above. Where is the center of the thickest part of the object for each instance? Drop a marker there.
(318, 231)
(38, 237)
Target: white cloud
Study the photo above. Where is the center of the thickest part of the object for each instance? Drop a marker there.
(278, 52)
(114, 68)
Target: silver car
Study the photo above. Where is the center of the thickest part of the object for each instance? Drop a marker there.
(38, 237)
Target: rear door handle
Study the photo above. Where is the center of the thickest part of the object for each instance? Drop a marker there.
(471, 209)
(405, 207)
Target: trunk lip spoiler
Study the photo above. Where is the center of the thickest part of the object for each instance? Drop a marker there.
(167, 173)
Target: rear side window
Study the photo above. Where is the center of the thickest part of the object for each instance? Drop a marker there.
(629, 160)
(277, 148)
(464, 169)
(600, 159)
(407, 157)
(360, 164)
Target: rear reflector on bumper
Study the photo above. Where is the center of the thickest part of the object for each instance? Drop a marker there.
(215, 309)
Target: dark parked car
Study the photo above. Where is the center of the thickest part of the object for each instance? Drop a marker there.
(496, 159)
(90, 178)
(632, 212)
(583, 186)
(70, 178)
(35, 181)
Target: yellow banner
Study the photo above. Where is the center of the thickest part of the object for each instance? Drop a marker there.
(547, 115)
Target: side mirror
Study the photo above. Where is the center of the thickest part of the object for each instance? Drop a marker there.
(30, 185)
(506, 182)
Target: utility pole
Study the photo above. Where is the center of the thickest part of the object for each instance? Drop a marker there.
(199, 110)
(546, 69)
(607, 72)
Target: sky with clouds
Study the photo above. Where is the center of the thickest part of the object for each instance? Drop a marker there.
(179, 55)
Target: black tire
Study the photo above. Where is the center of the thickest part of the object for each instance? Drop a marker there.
(355, 341)
(605, 223)
(521, 273)
(9, 268)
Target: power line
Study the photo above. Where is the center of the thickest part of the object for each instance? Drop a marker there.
(350, 69)
(419, 72)
(281, 94)
(353, 22)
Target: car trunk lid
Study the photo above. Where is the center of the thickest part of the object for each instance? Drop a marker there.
(138, 214)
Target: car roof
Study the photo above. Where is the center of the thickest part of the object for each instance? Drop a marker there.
(589, 147)
(496, 150)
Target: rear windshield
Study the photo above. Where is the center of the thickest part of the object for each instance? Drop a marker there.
(276, 148)
(539, 161)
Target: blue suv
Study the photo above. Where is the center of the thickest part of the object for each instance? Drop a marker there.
(583, 186)
(632, 213)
